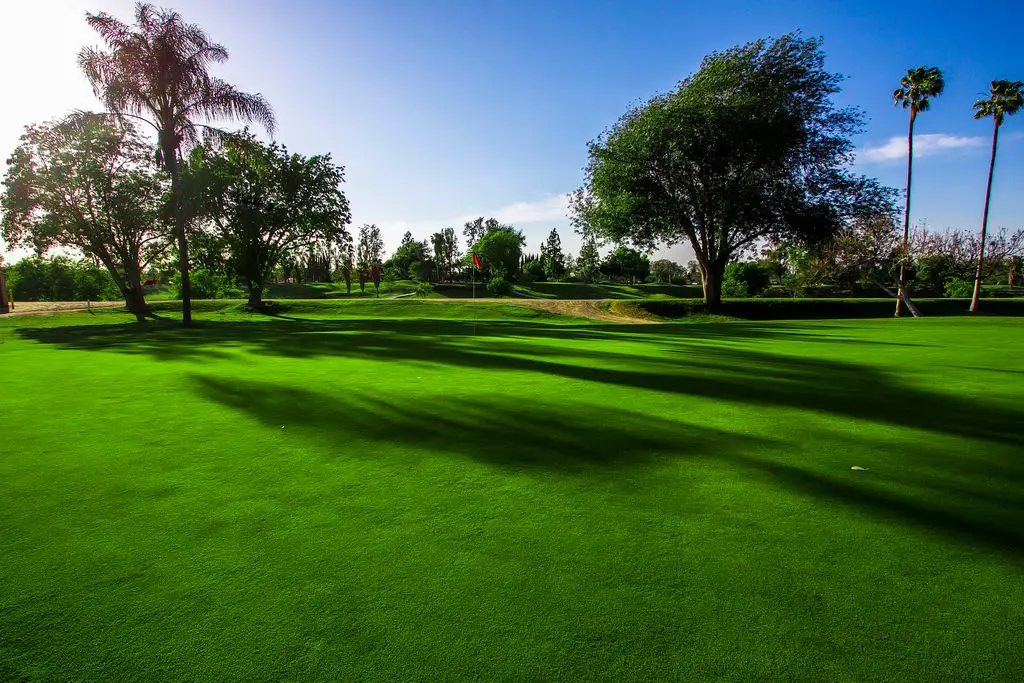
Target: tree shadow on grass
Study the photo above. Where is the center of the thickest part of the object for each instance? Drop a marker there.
(726, 372)
(964, 498)
(537, 437)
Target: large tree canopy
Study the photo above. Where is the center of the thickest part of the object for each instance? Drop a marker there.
(267, 203)
(87, 182)
(748, 147)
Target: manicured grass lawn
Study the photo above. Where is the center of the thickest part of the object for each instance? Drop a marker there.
(369, 490)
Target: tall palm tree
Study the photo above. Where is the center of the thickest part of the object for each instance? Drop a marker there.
(915, 93)
(157, 70)
(1005, 99)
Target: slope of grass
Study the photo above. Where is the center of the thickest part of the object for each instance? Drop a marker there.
(330, 496)
(607, 290)
(337, 290)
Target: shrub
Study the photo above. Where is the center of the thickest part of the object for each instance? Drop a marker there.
(745, 278)
(533, 271)
(421, 270)
(776, 292)
(499, 286)
(424, 289)
(60, 279)
(733, 287)
(958, 288)
(206, 285)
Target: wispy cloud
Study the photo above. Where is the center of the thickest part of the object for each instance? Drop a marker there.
(552, 208)
(928, 144)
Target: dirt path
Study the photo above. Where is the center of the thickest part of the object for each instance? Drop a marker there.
(40, 307)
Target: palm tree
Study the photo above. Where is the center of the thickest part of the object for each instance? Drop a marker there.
(915, 93)
(157, 70)
(1005, 99)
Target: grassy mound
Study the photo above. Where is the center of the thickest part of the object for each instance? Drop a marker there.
(579, 290)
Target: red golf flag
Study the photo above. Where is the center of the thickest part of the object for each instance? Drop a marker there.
(477, 262)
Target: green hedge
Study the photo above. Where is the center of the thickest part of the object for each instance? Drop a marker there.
(804, 309)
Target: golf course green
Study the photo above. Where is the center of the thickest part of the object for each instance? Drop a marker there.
(406, 490)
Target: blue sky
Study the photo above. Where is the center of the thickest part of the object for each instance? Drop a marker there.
(445, 110)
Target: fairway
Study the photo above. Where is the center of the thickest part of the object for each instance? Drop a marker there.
(414, 491)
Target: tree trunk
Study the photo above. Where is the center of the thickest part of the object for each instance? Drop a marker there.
(134, 297)
(135, 302)
(711, 276)
(906, 213)
(255, 297)
(984, 219)
(5, 307)
(170, 153)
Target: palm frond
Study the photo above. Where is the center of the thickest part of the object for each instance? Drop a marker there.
(157, 69)
(222, 101)
(918, 87)
(1006, 98)
(111, 30)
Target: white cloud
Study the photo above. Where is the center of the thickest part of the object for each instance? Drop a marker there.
(928, 144)
(553, 208)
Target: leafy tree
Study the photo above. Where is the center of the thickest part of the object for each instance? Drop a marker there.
(551, 256)
(627, 263)
(446, 252)
(473, 230)
(931, 272)
(749, 147)
(1014, 266)
(408, 252)
(533, 269)
(1005, 99)
(207, 249)
(500, 249)
(86, 182)
(915, 93)
(157, 70)
(957, 288)
(206, 285)
(267, 204)
(664, 269)
(348, 258)
(867, 249)
(422, 271)
(588, 263)
(745, 278)
(954, 253)
(369, 256)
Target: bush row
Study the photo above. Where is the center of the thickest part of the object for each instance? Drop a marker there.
(805, 309)
(59, 279)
